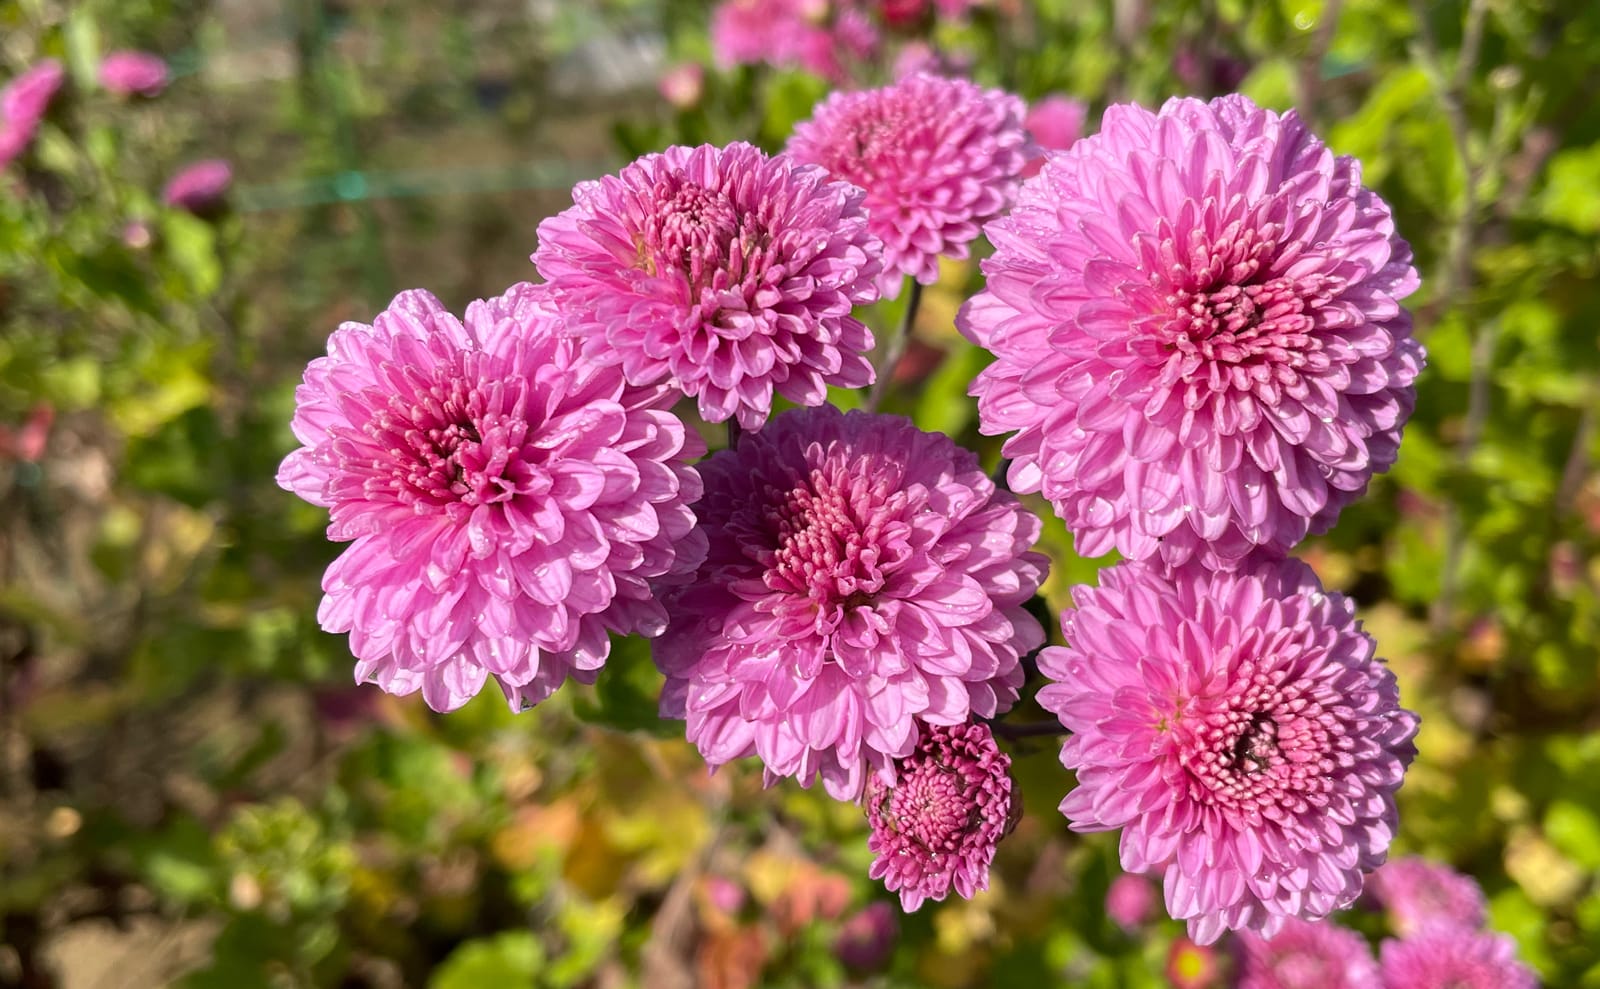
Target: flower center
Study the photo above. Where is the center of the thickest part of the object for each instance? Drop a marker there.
(456, 440)
(1242, 324)
(1266, 747)
(932, 807)
(829, 541)
(692, 231)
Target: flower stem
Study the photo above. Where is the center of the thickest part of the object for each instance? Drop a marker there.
(896, 347)
(1031, 729)
(735, 431)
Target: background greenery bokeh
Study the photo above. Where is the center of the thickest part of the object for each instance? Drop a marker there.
(190, 787)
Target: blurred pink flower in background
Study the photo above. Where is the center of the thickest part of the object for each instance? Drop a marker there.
(132, 72)
(726, 273)
(683, 84)
(1306, 955)
(815, 35)
(1055, 123)
(866, 940)
(23, 103)
(1453, 957)
(937, 157)
(1131, 901)
(200, 187)
(1193, 966)
(506, 502)
(27, 443)
(1239, 730)
(864, 578)
(1200, 339)
(1417, 894)
(936, 827)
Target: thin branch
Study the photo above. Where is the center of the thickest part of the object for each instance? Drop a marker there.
(896, 348)
(1311, 65)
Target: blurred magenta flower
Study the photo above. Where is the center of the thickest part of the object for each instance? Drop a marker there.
(27, 443)
(683, 84)
(1055, 123)
(1238, 729)
(723, 272)
(23, 103)
(935, 828)
(1201, 347)
(1193, 966)
(866, 940)
(937, 157)
(1452, 957)
(1417, 894)
(129, 73)
(864, 576)
(201, 187)
(506, 501)
(1131, 901)
(821, 37)
(1306, 955)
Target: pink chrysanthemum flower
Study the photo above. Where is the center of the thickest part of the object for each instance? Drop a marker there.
(728, 274)
(131, 72)
(200, 187)
(863, 575)
(1448, 957)
(506, 501)
(815, 35)
(1055, 123)
(936, 827)
(1238, 729)
(1201, 347)
(23, 103)
(1417, 894)
(1130, 901)
(937, 157)
(1306, 955)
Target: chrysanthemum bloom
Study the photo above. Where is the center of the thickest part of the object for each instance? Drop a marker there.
(938, 159)
(1055, 123)
(936, 827)
(130, 72)
(23, 103)
(1201, 347)
(1130, 900)
(1448, 957)
(1306, 955)
(866, 940)
(863, 575)
(1417, 893)
(683, 84)
(200, 187)
(1238, 729)
(816, 35)
(507, 502)
(723, 272)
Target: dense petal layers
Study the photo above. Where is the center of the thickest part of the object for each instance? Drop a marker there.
(1239, 730)
(1200, 343)
(508, 504)
(938, 159)
(1416, 894)
(727, 274)
(863, 575)
(1453, 957)
(1306, 955)
(936, 827)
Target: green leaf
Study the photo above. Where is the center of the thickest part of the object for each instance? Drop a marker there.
(626, 696)
(506, 961)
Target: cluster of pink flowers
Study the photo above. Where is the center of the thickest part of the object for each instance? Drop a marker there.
(820, 36)
(1199, 347)
(1437, 914)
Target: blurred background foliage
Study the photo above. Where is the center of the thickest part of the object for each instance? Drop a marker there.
(192, 790)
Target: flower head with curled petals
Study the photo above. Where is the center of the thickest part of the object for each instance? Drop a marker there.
(1446, 956)
(937, 157)
(935, 829)
(1238, 729)
(132, 72)
(1201, 346)
(1306, 955)
(507, 503)
(863, 576)
(1417, 894)
(725, 273)
(23, 103)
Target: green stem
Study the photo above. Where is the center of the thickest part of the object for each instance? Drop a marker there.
(895, 348)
